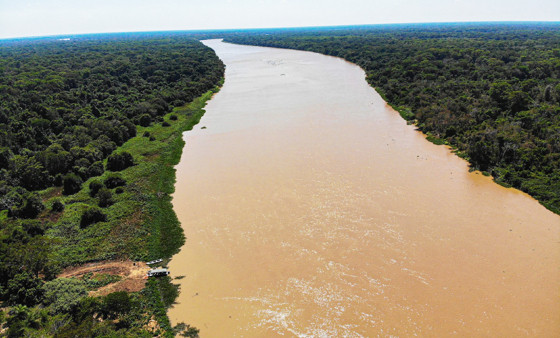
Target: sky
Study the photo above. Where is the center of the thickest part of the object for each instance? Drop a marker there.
(21, 18)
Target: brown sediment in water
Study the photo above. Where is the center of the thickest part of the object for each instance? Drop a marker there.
(312, 209)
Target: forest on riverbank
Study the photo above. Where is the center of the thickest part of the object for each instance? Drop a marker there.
(90, 128)
(489, 90)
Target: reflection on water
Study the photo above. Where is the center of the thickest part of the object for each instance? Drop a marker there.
(312, 209)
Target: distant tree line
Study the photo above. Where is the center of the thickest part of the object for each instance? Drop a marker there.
(490, 90)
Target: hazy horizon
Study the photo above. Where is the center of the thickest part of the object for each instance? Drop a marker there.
(276, 28)
(35, 18)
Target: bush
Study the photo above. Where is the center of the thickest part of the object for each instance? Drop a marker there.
(30, 207)
(145, 120)
(96, 169)
(58, 180)
(116, 303)
(72, 183)
(105, 197)
(94, 187)
(5, 156)
(18, 321)
(165, 124)
(63, 294)
(25, 289)
(173, 117)
(85, 309)
(113, 181)
(119, 190)
(146, 134)
(57, 206)
(91, 216)
(33, 227)
(118, 162)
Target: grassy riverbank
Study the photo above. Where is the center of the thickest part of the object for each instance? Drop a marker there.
(158, 153)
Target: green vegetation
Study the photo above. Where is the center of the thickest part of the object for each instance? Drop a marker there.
(492, 91)
(94, 282)
(79, 183)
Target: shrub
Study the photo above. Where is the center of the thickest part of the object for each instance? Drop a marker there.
(96, 169)
(25, 289)
(113, 181)
(57, 206)
(165, 124)
(118, 162)
(116, 303)
(5, 156)
(105, 197)
(72, 183)
(94, 187)
(63, 294)
(173, 117)
(91, 216)
(18, 321)
(58, 180)
(33, 227)
(119, 190)
(82, 172)
(30, 207)
(145, 120)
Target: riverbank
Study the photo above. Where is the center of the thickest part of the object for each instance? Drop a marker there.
(380, 231)
(487, 90)
(140, 225)
(157, 150)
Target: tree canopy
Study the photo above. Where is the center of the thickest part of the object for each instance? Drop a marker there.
(66, 109)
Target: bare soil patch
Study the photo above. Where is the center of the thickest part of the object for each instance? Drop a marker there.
(134, 275)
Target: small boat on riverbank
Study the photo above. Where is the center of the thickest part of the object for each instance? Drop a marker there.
(158, 272)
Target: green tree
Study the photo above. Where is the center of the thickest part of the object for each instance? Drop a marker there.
(121, 161)
(25, 289)
(18, 321)
(116, 304)
(30, 206)
(91, 216)
(57, 206)
(29, 172)
(94, 187)
(105, 197)
(64, 294)
(5, 156)
(72, 183)
(114, 180)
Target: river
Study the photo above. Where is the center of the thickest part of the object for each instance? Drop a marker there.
(312, 209)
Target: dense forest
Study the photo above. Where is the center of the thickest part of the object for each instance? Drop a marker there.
(90, 127)
(491, 91)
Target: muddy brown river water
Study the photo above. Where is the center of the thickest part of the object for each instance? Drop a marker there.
(312, 209)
